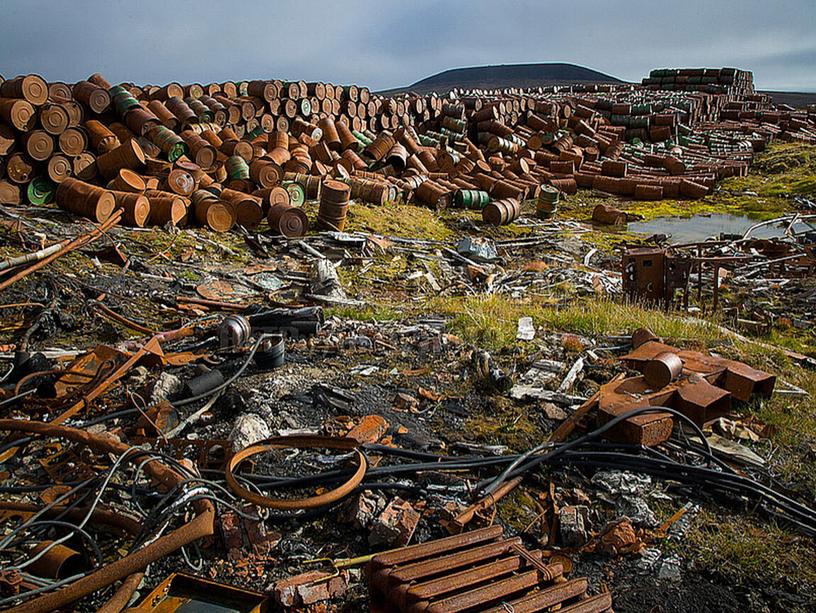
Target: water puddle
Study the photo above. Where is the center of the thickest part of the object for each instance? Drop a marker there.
(700, 227)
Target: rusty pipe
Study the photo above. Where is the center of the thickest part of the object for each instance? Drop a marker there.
(78, 242)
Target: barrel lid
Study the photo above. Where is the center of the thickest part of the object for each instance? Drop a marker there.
(41, 191)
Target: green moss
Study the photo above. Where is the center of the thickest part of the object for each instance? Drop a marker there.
(399, 220)
(366, 313)
(491, 321)
(785, 169)
(744, 552)
(504, 423)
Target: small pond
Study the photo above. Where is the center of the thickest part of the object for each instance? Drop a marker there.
(700, 227)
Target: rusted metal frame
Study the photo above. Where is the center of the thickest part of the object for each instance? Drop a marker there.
(297, 442)
(152, 346)
(77, 243)
(414, 553)
(547, 597)
(424, 592)
(385, 578)
(594, 604)
(201, 526)
(488, 593)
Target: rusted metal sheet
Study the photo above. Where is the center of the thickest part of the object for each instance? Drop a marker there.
(474, 571)
(180, 592)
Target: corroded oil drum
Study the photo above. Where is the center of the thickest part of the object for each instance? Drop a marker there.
(39, 145)
(31, 88)
(248, 209)
(18, 113)
(211, 212)
(41, 191)
(72, 141)
(334, 204)
(135, 206)
(141, 121)
(85, 199)
(501, 212)
(287, 220)
(102, 139)
(54, 119)
(265, 173)
(128, 155)
(166, 209)
(92, 96)
(127, 181)
(237, 168)
(59, 168)
(169, 142)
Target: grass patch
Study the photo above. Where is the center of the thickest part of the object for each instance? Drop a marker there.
(399, 220)
(491, 321)
(366, 313)
(785, 169)
(744, 552)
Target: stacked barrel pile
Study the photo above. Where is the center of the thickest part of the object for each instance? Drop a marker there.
(241, 153)
(730, 81)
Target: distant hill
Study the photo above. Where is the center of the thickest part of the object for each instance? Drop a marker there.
(795, 99)
(508, 75)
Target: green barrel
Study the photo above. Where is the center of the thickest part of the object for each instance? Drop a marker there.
(305, 107)
(362, 138)
(202, 111)
(547, 203)
(297, 195)
(41, 191)
(169, 142)
(123, 100)
(237, 168)
(473, 199)
(255, 132)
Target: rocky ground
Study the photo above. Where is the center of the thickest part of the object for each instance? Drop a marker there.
(406, 330)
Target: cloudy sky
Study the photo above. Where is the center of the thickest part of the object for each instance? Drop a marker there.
(387, 43)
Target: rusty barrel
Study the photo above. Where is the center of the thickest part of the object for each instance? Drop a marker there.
(39, 145)
(212, 212)
(330, 135)
(248, 209)
(135, 206)
(287, 220)
(19, 114)
(59, 168)
(9, 193)
(664, 368)
(72, 141)
(379, 147)
(334, 204)
(31, 88)
(84, 166)
(127, 181)
(165, 207)
(297, 195)
(501, 212)
(54, 119)
(265, 173)
(167, 118)
(102, 139)
(85, 199)
(201, 151)
(19, 168)
(608, 215)
(180, 181)
(347, 139)
(547, 203)
(123, 100)
(91, 95)
(644, 191)
(128, 155)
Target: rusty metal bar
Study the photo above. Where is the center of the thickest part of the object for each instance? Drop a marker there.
(77, 243)
(546, 598)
